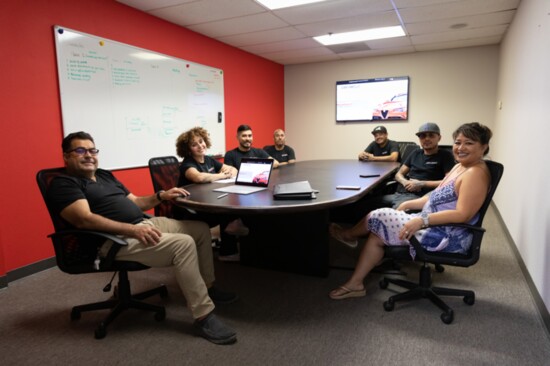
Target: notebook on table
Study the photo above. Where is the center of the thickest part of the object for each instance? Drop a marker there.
(253, 176)
(294, 191)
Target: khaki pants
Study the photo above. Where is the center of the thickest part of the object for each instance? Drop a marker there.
(186, 245)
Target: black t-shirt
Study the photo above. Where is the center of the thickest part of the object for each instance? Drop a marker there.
(233, 157)
(106, 196)
(210, 165)
(376, 150)
(282, 156)
(427, 167)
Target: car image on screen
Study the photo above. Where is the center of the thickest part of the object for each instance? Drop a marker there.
(261, 178)
(395, 108)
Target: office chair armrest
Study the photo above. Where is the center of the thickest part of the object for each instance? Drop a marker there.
(423, 255)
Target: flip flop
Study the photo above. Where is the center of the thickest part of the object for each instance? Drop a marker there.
(336, 235)
(347, 293)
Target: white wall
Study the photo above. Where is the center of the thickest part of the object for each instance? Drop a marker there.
(447, 87)
(522, 131)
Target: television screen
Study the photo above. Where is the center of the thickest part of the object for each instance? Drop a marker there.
(372, 99)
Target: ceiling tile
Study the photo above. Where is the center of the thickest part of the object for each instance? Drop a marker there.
(198, 12)
(459, 43)
(147, 5)
(459, 35)
(334, 9)
(455, 9)
(365, 21)
(267, 36)
(474, 21)
(250, 23)
(281, 46)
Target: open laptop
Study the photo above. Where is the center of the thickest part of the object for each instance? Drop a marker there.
(253, 176)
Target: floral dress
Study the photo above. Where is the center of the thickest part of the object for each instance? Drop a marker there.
(386, 223)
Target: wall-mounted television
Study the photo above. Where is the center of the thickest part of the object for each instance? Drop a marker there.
(372, 99)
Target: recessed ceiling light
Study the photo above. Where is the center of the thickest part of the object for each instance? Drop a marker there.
(362, 35)
(278, 4)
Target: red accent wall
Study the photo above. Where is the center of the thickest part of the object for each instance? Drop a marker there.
(30, 104)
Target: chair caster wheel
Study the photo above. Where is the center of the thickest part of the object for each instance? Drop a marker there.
(470, 300)
(100, 332)
(447, 317)
(160, 315)
(439, 268)
(75, 314)
(383, 283)
(389, 305)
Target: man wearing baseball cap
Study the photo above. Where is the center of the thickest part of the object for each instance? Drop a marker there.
(423, 169)
(382, 148)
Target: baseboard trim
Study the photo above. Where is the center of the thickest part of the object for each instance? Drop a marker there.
(31, 269)
(541, 306)
(3, 281)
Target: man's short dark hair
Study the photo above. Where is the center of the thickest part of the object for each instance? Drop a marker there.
(80, 135)
(242, 128)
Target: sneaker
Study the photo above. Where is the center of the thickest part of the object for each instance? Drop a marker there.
(222, 297)
(211, 328)
(230, 258)
(216, 243)
(237, 228)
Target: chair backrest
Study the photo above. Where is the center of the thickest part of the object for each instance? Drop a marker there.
(74, 252)
(165, 175)
(496, 170)
(44, 178)
(405, 148)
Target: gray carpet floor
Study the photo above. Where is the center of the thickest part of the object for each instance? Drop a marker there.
(284, 319)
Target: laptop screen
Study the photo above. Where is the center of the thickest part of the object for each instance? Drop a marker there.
(254, 172)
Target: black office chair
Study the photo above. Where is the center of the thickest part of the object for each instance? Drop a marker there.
(405, 148)
(165, 174)
(76, 252)
(424, 288)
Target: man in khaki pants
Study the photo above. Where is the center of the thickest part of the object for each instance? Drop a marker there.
(91, 198)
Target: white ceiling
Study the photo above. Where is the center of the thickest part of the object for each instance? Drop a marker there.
(285, 35)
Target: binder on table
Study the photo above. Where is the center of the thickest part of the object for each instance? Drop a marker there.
(294, 191)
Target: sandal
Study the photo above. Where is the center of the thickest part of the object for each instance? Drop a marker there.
(336, 232)
(347, 293)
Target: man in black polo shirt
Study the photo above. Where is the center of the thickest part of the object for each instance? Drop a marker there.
(87, 197)
(420, 173)
(423, 169)
(382, 148)
(280, 151)
(245, 149)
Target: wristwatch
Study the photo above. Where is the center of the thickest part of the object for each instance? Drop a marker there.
(425, 219)
(158, 195)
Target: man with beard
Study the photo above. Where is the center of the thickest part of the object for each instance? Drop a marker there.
(245, 149)
(423, 169)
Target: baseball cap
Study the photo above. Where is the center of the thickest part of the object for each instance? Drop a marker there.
(428, 127)
(379, 129)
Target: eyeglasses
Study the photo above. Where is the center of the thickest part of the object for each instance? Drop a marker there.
(83, 151)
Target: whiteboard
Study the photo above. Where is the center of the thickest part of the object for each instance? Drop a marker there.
(134, 102)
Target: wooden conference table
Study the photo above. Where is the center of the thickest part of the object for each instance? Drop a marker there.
(292, 235)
